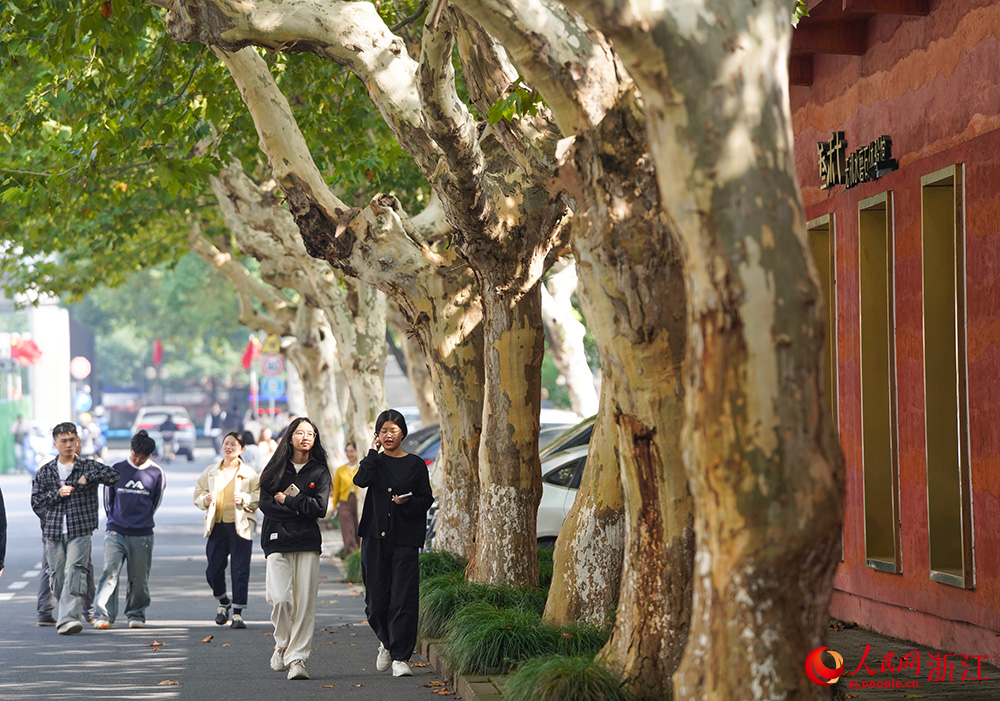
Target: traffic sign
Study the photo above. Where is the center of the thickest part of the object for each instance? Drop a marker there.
(271, 345)
(272, 365)
(272, 387)
(83, 401)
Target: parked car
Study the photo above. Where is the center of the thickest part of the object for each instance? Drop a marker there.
(151, 417)
(546, 434)
(561, 475)
(576, 436)
(38, 448)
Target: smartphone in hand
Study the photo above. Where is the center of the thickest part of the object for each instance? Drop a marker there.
(403, 496)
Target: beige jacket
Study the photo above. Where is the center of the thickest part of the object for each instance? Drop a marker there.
(247, 486)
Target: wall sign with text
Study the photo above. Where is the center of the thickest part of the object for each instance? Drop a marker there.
(866, 164)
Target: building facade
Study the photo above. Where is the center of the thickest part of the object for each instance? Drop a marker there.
(896, 112)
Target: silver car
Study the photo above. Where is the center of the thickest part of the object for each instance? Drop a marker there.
(150, 418)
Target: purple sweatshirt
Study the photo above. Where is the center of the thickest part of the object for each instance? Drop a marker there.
(131, 503)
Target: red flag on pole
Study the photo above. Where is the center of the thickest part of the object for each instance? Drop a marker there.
(251, 353)
(24, 351)
(157, 351)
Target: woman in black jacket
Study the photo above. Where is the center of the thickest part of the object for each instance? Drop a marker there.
(392, 528)
(294, 489)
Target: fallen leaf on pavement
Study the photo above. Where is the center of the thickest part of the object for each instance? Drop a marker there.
(435, 684)
(169, 682)
(208, 639)
(155, 644)
(226, 644)
(421, 664)
(357, 685)
(329, 686)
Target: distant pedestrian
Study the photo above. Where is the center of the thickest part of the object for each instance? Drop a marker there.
(393, 528)
(3, 533)
(251, 452)
(64, 496)
(130, 505)
(19, 431)
(295, 488)
(233, 422)
(267, 445)
(213, 427)
(345, 496)
(228, 491)
(168, 432)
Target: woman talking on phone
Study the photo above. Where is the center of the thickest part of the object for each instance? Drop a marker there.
(392, 528)
(294, 489)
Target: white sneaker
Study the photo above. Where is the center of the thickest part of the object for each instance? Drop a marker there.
(401, 669)
(278, 660)
(383, 660)
(297, 670)
(136, 623)
(70, 628)
(102, 624)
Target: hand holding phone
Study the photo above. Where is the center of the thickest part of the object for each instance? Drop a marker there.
(291, 490)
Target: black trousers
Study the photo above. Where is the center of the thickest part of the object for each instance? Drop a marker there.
(392, 593)
(225, 546)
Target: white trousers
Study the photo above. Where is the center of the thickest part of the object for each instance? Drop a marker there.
(292, 585)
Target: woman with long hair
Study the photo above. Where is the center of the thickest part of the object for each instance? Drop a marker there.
(295, 487)
(228, 492)
(393, 527)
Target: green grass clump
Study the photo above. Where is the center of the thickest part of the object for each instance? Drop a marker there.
(560, 677)
(545, 553)
(352, 567)
(483, 638)
(443, 595)
(435, 562)
(577, 639)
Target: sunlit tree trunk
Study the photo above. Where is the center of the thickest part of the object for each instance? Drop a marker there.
(588, 557)
(764, 469)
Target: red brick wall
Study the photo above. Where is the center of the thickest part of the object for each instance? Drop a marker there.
(933, 85)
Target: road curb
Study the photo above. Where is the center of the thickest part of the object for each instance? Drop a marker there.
(468, 687)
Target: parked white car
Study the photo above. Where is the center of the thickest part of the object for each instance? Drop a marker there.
(151, 417)
(561, 475)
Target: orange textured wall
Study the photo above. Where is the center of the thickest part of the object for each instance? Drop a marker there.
(933, 85)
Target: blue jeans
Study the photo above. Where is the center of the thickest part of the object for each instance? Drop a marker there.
(68, 563)
(137, 552)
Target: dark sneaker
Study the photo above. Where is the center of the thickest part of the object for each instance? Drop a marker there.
(223, 615)
(46, 621)
(238, 621)
(70, 628)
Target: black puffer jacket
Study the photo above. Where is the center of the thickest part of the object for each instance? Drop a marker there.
(292, 527)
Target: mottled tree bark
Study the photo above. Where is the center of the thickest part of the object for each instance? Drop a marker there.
(587, 570)
(417, 371)
(764, 469)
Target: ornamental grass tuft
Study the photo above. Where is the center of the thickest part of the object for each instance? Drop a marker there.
(484, 637)
(445, 594)
(352, 567)
(435, 562)
(561, 677)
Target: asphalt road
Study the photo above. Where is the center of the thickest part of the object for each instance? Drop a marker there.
(169, 659)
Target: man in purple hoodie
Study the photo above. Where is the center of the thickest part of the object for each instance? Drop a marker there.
(130, 505)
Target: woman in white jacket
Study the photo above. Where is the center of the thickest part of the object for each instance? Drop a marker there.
(228, 492)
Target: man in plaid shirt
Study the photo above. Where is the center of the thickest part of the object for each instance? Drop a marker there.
(64, 495)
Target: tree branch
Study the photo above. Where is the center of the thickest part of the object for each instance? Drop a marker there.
(350, 34)
(571, 65)
(449, 122)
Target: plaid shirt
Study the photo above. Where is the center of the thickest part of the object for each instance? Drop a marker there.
(79, 508)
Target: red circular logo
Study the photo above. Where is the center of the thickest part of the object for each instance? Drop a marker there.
(818, 672)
